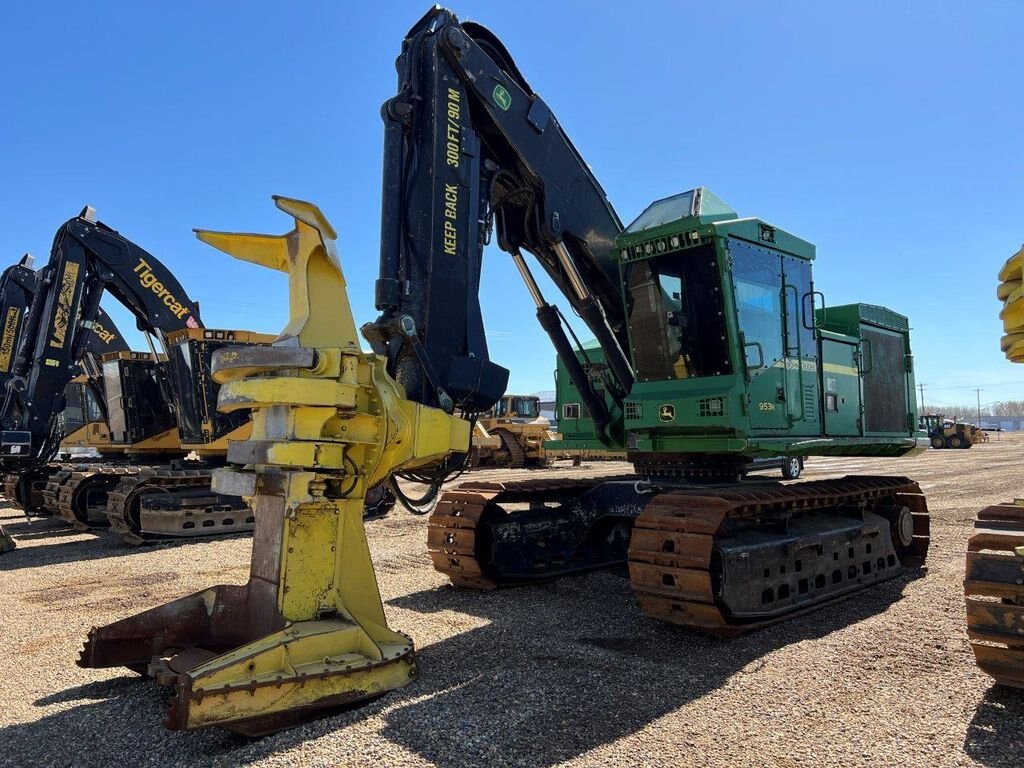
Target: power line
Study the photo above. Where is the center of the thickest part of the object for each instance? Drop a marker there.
(987, 385)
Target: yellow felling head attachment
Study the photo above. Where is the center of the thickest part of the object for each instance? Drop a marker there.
(308, 631)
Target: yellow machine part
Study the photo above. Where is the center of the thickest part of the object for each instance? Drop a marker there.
(993, 587)
(201, 334)
(1011, 293)
(165, 442)
(92, 435)
(6, 541)
(308, 632)
(219, 447)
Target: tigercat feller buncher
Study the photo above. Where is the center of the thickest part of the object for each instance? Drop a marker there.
(17, 288)
(994, 580)
(715, 352)
(511, 434)
(950, 433)
(143, 487)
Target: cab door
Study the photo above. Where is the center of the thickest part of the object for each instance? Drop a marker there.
(801, 351)
(758, 293)
(841, 388)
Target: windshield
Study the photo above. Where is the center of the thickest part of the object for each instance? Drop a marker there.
(519, 407)
(676, 317)
(663, 211)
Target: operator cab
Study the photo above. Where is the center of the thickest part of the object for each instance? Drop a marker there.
(694, 296)
(674, 291)
(81, 407)
(515, 409)
(730, 352)
(518, 407)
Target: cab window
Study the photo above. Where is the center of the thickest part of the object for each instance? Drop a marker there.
(757, 285)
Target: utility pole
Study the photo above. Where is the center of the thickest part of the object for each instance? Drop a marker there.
(921, 387)
(978, 393)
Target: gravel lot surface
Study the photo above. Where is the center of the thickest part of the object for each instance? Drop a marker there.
(569, 673)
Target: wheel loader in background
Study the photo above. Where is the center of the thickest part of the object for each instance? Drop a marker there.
(950, 433)
(717, 349)
(995, 552)
(512, 434)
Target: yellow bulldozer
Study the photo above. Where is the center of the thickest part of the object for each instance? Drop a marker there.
(512, 434)
(950, 433)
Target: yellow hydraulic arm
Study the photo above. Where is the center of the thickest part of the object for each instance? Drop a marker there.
(308, 631)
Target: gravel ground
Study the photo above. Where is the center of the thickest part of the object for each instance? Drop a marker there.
(568, 673)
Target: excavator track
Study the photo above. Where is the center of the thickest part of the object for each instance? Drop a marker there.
(724, 558)
(994, 591)
(160, 503)
(52, 487)
(31, 489)
(459, 534)
(738, 559)
(80, 494)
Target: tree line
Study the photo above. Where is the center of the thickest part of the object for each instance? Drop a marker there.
(1003, 409)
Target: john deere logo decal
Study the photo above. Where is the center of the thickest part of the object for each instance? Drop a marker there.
(502, 97)
(667, 413)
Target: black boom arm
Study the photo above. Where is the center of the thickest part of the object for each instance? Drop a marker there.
(17, 287)
(470, 147)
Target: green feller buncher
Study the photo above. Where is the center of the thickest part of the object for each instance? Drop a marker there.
(718, 348)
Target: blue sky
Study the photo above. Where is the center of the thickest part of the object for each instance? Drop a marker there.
(887, 133)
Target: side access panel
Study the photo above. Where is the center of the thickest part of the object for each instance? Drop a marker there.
(840, 388)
